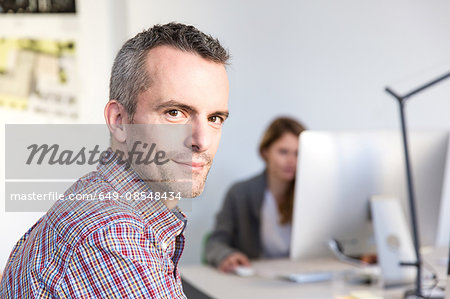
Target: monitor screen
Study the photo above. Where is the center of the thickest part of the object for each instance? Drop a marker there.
(337, 174)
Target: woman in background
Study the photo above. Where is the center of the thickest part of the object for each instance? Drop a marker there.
(255, 219)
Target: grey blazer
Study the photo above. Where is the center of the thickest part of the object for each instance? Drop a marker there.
(237, 223)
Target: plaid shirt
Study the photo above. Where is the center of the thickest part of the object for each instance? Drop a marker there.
(100, 248)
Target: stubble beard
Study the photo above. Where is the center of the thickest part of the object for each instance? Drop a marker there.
(166, 181)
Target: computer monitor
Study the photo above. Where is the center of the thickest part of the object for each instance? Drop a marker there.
(339, 171)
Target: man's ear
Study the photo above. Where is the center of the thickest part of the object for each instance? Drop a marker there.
(116, 118)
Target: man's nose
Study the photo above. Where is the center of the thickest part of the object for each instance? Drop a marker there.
(200, 138)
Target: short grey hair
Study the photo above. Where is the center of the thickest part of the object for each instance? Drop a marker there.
(128, 75)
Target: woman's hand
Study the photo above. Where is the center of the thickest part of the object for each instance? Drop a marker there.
(232, 261)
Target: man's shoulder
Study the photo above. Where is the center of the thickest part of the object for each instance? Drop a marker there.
(90, 183)
(89, 205)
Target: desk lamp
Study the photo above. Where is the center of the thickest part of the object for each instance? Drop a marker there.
(412, 206)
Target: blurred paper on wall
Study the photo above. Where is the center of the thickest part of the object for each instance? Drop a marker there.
(39, 76)
(37, 6)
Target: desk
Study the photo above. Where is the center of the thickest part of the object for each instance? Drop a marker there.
(265, 285)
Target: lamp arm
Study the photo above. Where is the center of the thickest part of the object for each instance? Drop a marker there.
(412, 205)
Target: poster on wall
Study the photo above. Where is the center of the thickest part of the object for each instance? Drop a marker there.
(39, 75)
(37, 6)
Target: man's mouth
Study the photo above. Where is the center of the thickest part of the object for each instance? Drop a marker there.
(195, 166)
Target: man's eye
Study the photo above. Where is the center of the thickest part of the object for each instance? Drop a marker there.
(174, 113)
(175, 116)
(216, 119)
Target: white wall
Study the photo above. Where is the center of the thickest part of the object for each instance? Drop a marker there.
(325, 62)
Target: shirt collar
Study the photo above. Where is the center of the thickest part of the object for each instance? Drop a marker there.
(165, 223)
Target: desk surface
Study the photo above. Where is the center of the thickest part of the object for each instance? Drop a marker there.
(265, 284)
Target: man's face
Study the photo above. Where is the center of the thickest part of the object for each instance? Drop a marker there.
(188, 90)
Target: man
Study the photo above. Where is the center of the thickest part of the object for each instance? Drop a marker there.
(119, 248)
